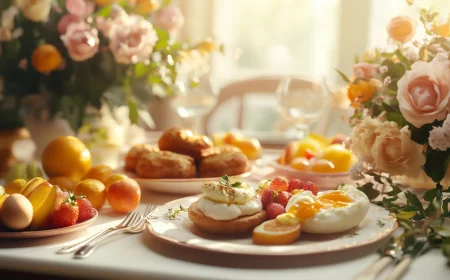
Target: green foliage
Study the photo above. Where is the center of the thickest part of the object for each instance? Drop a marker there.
(343, 76)
(420, 135)
(436, 165)
(395, 71)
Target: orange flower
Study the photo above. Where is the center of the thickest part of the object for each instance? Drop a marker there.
(360, 91)
(207, 46)
(442, 29)
(145, 7)
(402, 28)
(46, 58)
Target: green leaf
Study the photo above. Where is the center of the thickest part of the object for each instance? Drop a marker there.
(343, 76)
(397, 118)
(413, 200)
(395, 190)
(445, 204)
(430, 195)
(369, 191)
(420, 135)
(140, 69)
(403, 59)
(406, 215)
(436, 164)
(133, 113)
(105, 11)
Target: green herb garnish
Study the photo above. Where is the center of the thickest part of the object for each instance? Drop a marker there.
(173, 212)
(225, 180)
(380, 223)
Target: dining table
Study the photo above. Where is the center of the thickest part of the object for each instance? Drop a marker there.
(143, 256)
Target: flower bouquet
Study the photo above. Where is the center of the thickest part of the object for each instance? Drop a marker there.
(80, 53)
(401, 126)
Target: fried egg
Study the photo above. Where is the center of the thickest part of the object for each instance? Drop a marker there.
(329, 212)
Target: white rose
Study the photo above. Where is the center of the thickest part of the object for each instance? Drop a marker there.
(35, 10)
(363, 137)
(395, 153)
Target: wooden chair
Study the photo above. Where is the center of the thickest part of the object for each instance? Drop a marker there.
(258, 85)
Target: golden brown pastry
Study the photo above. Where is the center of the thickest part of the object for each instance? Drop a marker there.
(165, 164)
(241, 225)
(229, 161)
(135, 153)
(184, 142)
(218, 150)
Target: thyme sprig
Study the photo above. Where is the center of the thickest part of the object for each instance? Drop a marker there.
(172, 213)
(225, 180)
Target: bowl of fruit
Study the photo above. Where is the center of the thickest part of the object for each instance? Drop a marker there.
(324, 161)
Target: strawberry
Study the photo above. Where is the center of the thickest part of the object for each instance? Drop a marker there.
(267, 197)
(295, 184)
(273, 210)
(66, 213)
(310, 186)
(309, 154)
(283, 198)
(279, 184)
(85, 209)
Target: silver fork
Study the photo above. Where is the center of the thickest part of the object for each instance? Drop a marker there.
(125, 222)
(136, 227)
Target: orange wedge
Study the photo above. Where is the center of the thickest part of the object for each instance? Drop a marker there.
(275, 233)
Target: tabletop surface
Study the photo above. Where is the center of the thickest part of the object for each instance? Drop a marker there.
(141, 256)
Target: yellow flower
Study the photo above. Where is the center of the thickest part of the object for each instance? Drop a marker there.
(441, 29)
(46, 58)
(104, 2)
(360, 91)
(207, 46)
(145, 7)
(402, 28)
(183, 56)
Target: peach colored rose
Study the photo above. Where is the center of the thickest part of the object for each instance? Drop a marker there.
(365, 70)
(81, 41)
(169, 18)
(66, 20)
(423, 92)
(132, 41)
(402, 28)
(395, 153)
(81, 8)
(118, 16)
(363, 137)
(35, 10)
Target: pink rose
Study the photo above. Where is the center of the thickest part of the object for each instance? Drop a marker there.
(365, 70)
(81, 8)
(118, 16)
(423, 92)
(132, 41)
(66, 20)
(170, 18)
(81, 41)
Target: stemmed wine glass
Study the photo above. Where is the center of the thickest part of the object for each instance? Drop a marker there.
(301, 106)
(194, 102)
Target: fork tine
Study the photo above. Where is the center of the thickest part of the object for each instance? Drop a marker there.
(152, 210)
(136, 219)
(147, 210)
(125, 220)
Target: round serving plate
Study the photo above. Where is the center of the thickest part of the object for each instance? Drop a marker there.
(47, 232)
(175, 186)
(377, 225)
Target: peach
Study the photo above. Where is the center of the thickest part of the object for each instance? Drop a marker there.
(32, 185)
(124, 195)
(63, 182)
(101, 173)
(250, 147)
(289, 153)
(322, 166)
(113, 178)
(300, 163)
(42, 199)
(338, 139)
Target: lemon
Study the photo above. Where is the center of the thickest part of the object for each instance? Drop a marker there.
(339, 156)
(66, 156)
(308, 144)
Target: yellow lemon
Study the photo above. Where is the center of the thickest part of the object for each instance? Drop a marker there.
(339, 156)
(94, 190)
(310, 144)
(46, 58)
(324, 141)
(66, 156)
(16, 186)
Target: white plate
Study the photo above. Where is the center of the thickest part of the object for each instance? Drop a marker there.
(377, 225)
(323, 180)
(175, 186)
(47, 232)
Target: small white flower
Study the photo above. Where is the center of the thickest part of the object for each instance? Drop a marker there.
(387, 81)
(383, 69)
(356, 171)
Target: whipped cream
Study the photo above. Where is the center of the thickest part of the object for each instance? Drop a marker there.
(217, 192)
(223, 211)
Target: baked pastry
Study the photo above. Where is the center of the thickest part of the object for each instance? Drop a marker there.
(184, 141)
(241, 225)
(135, 153)
(165, 164)
(218, 150)
(228, 207)
(228, 161)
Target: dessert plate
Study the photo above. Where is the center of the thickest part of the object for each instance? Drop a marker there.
(377, 225)
(47, 232)
(175, 186)
(323, 180)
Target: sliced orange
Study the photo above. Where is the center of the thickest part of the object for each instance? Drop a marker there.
(275, 233)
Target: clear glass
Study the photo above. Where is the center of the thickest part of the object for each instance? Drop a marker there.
(301, 106)
(193, 103)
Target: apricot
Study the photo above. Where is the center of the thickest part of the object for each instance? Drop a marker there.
(124, 195)
(113, 178)
(63, 182)
(101, 173)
